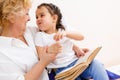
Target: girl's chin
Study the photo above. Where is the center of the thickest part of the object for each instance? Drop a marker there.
(42, 30)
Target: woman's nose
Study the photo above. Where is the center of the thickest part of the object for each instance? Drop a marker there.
(28, 18)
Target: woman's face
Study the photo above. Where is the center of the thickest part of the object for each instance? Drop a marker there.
(44, 19)
(21, 21)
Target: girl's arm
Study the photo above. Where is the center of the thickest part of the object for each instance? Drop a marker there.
(73, 35)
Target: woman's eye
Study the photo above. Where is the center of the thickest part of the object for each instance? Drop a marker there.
(27, 13)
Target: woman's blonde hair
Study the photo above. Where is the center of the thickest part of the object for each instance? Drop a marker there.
(11, 7)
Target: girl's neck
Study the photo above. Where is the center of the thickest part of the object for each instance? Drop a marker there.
(51, 31)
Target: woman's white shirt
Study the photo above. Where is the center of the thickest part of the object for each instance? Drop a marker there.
(17, 58)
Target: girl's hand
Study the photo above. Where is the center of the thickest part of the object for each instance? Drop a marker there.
(60, 34)
(85, 50)
(80, 52)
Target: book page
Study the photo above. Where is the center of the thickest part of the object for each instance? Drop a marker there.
(80, 60)
(84, 58)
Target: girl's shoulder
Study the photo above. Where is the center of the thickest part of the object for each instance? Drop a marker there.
(32, 30)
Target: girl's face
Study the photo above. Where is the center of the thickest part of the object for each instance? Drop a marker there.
(45, 21)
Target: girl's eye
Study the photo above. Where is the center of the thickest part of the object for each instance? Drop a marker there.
(41, 15)
(36, 17)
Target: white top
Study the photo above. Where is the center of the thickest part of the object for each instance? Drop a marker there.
(17, 58)
(65, 57)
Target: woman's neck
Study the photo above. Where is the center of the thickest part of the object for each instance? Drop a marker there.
(10, 33)
(13, 35)
(7, 34)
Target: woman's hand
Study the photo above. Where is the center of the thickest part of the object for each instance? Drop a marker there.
(54, 48)
(46, 58)
(80, 52)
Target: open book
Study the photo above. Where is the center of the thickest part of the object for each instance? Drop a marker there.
(83, 62)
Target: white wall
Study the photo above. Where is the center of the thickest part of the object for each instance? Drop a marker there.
(98, 20)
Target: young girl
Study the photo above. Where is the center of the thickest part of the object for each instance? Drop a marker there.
(48, 19)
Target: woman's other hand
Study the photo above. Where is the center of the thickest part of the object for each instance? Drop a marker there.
(54, 48)
(46, 58)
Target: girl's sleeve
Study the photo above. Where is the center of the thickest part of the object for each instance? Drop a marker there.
(39, 41)
(32, 30)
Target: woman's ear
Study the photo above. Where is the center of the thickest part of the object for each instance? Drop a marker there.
(11, 18)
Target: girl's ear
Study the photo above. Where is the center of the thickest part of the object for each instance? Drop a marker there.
(55, 18)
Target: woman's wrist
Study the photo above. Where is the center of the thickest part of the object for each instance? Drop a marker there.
(42, 64)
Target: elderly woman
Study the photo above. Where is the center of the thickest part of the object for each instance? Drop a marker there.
(18, 58)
